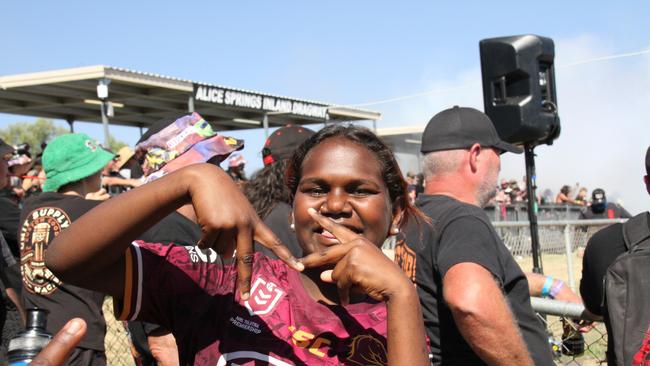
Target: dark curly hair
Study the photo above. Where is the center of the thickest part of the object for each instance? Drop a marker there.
(267, 187)
(390, 171)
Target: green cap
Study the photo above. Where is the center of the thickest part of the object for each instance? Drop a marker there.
(72, 157)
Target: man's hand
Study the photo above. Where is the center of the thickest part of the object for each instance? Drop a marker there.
(57, 351)
(100, 195)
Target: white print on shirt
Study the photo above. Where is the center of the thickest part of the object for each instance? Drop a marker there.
(263, 297)
(197, 254)
(245, 356)
(246, 324)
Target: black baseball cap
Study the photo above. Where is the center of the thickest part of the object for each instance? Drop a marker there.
(5, 148)
(283, 142)
(460, 128)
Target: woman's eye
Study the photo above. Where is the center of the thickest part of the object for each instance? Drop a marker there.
(316, 191)
(362, 192)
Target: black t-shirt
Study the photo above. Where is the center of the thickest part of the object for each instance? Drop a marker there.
(463, 233)
(174, 228)
(278, 221)
(601, 251)
(9, 217)
(42, 219)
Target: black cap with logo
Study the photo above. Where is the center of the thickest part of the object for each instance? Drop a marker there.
(460, 128)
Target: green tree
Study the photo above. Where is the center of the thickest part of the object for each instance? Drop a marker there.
(42, 130)
(33, 133)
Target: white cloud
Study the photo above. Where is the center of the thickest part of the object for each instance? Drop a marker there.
(604, 116)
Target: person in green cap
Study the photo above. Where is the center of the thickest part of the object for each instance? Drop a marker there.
(73, 165)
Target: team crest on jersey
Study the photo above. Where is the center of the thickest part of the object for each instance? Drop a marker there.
(366, 350)
(40, 227)
(264, 296)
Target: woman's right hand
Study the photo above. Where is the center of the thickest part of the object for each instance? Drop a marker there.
(357, 261)
(229, 222)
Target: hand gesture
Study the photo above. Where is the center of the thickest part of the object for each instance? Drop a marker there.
(359, 263)
(229, 222)
(57, 351)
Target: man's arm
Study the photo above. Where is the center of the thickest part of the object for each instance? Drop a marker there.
(482, 315)
(536, 284)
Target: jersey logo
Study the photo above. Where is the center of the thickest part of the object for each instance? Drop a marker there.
(197, 254)
(367, 350)
(40, 227)
(263, 297)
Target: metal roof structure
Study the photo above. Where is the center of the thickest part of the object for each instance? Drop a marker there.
(125, 97)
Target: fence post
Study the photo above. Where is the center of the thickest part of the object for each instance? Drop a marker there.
(569, 256)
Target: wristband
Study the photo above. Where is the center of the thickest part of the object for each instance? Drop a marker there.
(547, 286)
(556, 289)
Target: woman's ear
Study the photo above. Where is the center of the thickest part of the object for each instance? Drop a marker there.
(398, 216)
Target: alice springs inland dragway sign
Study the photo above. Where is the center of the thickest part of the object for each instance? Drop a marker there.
(260, 102)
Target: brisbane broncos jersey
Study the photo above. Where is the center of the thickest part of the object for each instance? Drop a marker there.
(192, 292)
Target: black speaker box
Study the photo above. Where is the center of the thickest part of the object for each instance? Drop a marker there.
(519, 88)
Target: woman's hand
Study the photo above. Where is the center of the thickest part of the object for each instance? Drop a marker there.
(359, 263)
(229, 223)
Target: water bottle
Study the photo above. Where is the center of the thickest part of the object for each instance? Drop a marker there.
(26, 345)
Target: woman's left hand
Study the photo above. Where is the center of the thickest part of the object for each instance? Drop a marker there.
(359, 263)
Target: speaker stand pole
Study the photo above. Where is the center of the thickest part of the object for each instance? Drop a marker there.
(531, 186)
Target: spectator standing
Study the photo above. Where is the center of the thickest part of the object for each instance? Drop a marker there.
(564, 196)
(600, 208)
(581, 197)
(474, 296)
(601, 251)
(267, 190)
(73, 164)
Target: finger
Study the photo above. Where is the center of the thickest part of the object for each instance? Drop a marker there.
(267, 238)
(342, 233)
(208, 238)
(326, 276)
(343, 283)
(244, 262)
(330, 255)
(63, 343)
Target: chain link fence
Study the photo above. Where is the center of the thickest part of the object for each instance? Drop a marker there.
(116, 342)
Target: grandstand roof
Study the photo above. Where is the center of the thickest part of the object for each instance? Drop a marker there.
(139, 99)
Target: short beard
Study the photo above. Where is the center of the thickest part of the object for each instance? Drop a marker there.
(485, 192)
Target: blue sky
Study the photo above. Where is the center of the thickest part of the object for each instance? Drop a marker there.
(348, 52)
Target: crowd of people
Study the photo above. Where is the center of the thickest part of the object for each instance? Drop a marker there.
(208, 267)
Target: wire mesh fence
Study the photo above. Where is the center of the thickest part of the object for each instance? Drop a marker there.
(569, 344)
(116, 341)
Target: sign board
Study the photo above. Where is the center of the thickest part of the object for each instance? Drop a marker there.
(262, 103)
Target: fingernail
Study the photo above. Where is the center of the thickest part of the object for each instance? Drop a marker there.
(73, 326)
(299, 266)
(312, 210)
(245, 296)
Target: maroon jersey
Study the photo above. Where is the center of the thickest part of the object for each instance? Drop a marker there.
(190, 292)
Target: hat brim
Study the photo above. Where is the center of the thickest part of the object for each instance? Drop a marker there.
(52, 184)
(504, 146)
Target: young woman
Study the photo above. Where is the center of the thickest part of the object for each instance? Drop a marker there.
(350, 304)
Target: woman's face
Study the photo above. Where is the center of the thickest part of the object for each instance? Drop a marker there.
(341, 179)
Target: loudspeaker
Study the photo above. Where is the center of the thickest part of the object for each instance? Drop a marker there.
(519, 88)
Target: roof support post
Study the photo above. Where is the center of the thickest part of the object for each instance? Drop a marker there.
(190, 103)
(71, 124)
(265, 123)
(102, 94)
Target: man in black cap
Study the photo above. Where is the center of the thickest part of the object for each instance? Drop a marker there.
(601, 251)
(475, 298)
(600, 208)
